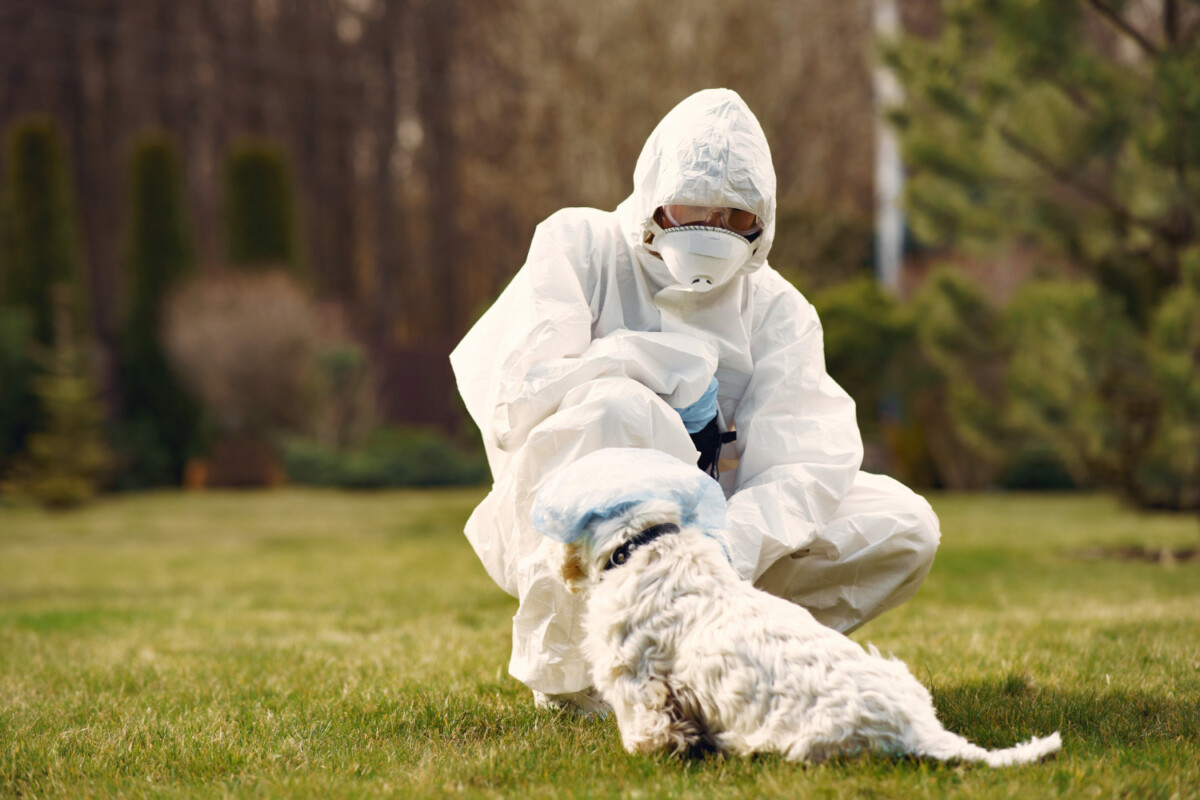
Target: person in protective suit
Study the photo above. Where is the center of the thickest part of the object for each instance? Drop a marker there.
(645, 325)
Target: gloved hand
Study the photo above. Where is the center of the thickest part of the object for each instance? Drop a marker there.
(700, 420)
(703, 411)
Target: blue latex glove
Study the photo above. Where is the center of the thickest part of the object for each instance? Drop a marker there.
(701, 412)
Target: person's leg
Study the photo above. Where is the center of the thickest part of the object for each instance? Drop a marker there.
(547, 628)
(608, 412)
(872, 556)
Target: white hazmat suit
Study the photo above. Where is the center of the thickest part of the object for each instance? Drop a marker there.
(593, 345)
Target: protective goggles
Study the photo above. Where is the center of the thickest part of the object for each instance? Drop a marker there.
(737, 220)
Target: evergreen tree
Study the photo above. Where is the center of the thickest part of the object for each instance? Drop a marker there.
(1069, 127)
(38, 251)
(41, 238)
(260, 208)
(1176, 363)
(1078, 380)
(1029, 120)
(18, 403)
(926, 377)
(867, 335)
(66, 455)
(159, 420)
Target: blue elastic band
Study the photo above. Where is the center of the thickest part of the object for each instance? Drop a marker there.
(701, 412)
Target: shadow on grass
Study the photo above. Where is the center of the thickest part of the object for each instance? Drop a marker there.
(998, 713)
(491, 731)
(995, 714)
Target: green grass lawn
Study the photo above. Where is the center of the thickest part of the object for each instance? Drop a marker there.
(321, 644)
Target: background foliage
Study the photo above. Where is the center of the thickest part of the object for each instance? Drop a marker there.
(65, 453)
(52, 450)
(258, 207)
(159, 425)
(40, 233)
(1071, 128)
(393, 159)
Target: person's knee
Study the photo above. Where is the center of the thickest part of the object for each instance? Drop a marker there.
(614, 399)
(925, 534)
(915, 540)
(607, 412)
(912, 521)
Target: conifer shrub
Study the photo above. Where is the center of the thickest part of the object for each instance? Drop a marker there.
(931, 379)
(1078, 379)
(39, 251)
(958, 401)
(926, 376)
(18, 403)
(259, 208)
(160, 421)
(868, 334)
(66, 454)
(389, 457)
(1071, 129)
(1170, 475)
(40, 229)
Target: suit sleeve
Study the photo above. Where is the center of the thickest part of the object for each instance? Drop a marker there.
(798, 440)
(535, 344)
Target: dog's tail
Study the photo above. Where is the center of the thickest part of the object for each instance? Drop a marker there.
(952, 746)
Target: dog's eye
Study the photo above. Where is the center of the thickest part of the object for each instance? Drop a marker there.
(620, 558)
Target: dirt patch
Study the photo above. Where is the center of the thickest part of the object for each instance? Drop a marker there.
(1163, 556)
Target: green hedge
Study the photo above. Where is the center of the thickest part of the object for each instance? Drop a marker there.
(391, 457)
(260, 207)
(40, 228)
(160, 423)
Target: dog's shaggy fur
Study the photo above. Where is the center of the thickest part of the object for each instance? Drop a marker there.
(691, 657)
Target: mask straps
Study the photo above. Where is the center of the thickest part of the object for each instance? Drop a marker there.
(653, 228)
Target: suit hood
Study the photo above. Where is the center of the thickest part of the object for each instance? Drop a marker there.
(707, 151)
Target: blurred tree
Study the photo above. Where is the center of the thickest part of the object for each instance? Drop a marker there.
(160, 421)
(1030, 121)
(66, 454)
(1079, 380)
(248, 346)
(927, 376)
(1173, 471)
(867, 336)
(260, 208)
(18, 403)
(426, 139)
(954, 386)
(40, 237)
(38, 252)
(1074, 126)
(386, 47)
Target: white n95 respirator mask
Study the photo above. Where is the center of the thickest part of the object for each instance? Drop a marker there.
(700, 258)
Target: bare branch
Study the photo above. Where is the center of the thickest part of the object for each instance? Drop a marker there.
(1118, 22)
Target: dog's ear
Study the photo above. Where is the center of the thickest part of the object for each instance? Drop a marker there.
(573, 570)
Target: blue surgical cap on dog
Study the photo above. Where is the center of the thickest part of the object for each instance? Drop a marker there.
(607, 483)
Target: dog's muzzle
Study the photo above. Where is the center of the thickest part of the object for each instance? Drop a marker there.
(622, 553)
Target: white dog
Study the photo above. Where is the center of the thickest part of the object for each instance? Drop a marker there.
(690, 656)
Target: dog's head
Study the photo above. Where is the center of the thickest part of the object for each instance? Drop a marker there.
(585, 558)
(596, 504)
